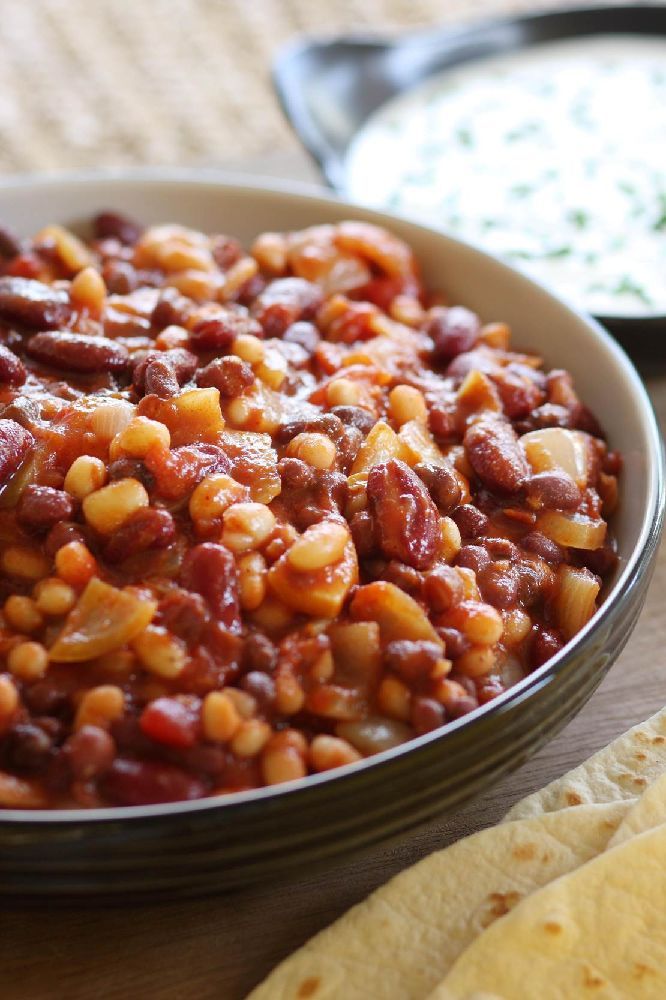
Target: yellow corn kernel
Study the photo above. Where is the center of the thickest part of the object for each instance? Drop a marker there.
(54, 597)
(251, 580)
(407, 403)
(85, 475)
(315, 449)
(159, 652)
(22, 614)
(106, 509)
(320, 545)
(141, 435)
(100, 706)
(220, 718)
(247, 526)
(28, 661)
(212, 497)
(29, 564)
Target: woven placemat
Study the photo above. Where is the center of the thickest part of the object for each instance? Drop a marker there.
(102, 83)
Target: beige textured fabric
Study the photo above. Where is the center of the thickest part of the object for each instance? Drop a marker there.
(100, 83)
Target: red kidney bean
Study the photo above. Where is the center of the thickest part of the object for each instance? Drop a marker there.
(135, 783)
(535, 541)
(117, 226)
(78, 352)
(295, 474)
(15, 443)
(499, 585)
(218, 333)
(348, 446)
(184, 614)
(230, 375)
(261, 686)
(426, 714)
(171, 309)
(172, 722)
(461, 706)
(10, 243)
(412, 659)
(442, 420)
(226, 251)
(495, 454)
(600, 561)
(518, 392)
(455, 642)
(355, 416)
(284, 302)
(405, 577)
(303, 333)
(61, 534)
(442, 483)
(12, 369)
(535, 578)
(442, 589)
(470, 520)
(259, 653)
(209, 569)
(159, 379)
(27, 747)
(32, 303)
(131, 468)
(321, 423)
(406, 519)
(40, 507)
(501, 548)
(90, 752)
(120, 277)
(182, 363)
(454, 331)
(148, 528)
(554, 490)
(473, 557)
(545, 644)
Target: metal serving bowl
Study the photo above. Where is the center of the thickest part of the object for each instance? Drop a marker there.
(220, 843)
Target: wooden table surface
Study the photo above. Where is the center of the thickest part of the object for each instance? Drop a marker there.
(217, 949)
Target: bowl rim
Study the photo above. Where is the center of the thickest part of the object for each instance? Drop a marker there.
(447, 39)
(637, 562)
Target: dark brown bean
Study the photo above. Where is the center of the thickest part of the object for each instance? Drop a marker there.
(545, 644)
(303, 333)
(10, 243)
(406, 519)
(495, 454)
(321, 423)
(61, 534)
(15, 443)
(554, 490)
(454, 331)
(470, 520)
(77, 352)
(296, 475)
(426, 715)
(501, 548)
(218, 334)
(159, 379)
(348, 446)
(454, 641)
(230, 375)
(148, 528)
(40, 507)
(284, 302)
(210, 570)
(184, 614)
(405, 577)
(442, 483)
(12, 369)
(355, 416)
(131, 468)
(261, 686)
(172, 309)
(535, 541)
(442, 589)
(412, 660)
(117, 226)
(362, 528)
(33, 304)
(120, 277)
(226, 251)
(90, 752)
(182, 363)
(259, 653)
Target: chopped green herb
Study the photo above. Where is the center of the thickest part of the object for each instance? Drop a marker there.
(579, 218)
(627, 286)
(521, 190)
(557, 253)
(464, 137)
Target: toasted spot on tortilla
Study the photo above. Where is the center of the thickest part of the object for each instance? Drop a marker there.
(499, 904)
(552, 927)
(573, 799)
(641, 755)
(659, 739)
(308, 987)
(591, 978)
(524, 852)
(640, 970)
(640, 781)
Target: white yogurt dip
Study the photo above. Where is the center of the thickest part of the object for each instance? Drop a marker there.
(553, 158)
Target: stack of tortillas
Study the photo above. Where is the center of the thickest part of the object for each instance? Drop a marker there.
(564, 899)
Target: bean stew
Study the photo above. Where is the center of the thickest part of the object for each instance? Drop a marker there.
(267, 513)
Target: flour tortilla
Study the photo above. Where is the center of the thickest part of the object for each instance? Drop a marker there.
(401, 941)
(648, 812)
(599, 932)
(622, 770)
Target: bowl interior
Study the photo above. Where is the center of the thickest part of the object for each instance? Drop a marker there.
(606, 380)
